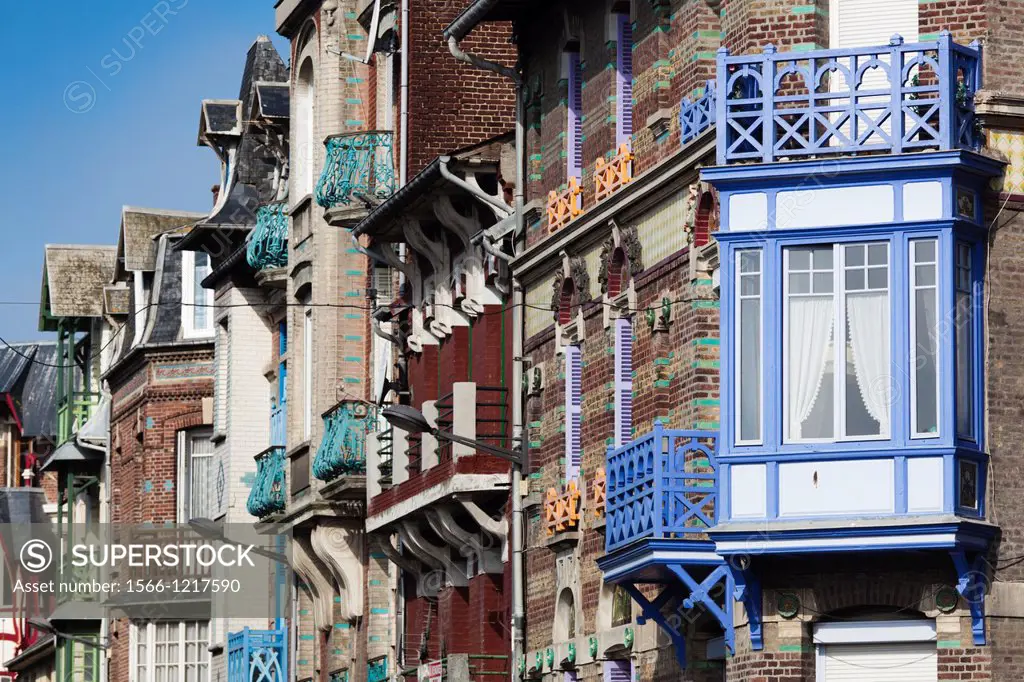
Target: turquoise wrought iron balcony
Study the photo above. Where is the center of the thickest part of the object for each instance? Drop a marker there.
(73, 410)
(889, 99)
(342, 450)
(661, 486)
(258, 656)
(268, 243)
(268, 491)
(359, 166)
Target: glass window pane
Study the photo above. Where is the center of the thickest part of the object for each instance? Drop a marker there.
(809, 360)
(854, 280)
(823, 258)
(750, 261)
(925, 362)
(799, 283)
(868, 371)
(924, 275)
(924, 251)
(799, 259)
(878, 278)
(878, 254)
(855, 255)
(750, 285)
(823, 282)
(750, 370)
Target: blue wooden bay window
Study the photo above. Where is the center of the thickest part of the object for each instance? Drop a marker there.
(851, 342)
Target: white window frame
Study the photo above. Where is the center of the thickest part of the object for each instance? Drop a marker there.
(839, 327)
(307, 371)
(185, 456)
(189, 279)
(738, 353)
(914, 287)
(147, 668)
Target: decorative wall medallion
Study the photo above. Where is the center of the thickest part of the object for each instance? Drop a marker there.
(788, 604)
(629, 240)
(575, 269)
(947, 599)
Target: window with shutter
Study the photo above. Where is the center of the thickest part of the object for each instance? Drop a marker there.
(573, 411)
(896, 662)
(618, 671)
(865, 23)
(624, 81)
(623, 381)
(574, 129)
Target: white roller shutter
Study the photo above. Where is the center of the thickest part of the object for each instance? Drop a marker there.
(902, 662)
(865, 23)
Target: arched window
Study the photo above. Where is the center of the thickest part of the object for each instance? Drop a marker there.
(702, 224)
(565, 616)
(305, 128)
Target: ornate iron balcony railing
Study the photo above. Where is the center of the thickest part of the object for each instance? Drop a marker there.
(889, 99)
(697, 116)
(359, 166)
(342, 450)
(268, 491)
(268, 243)
(258, 656)
(662, 485)
(73, 410)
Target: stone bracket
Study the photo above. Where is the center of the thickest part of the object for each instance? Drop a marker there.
(317, 578)
(651, 610)
(972, 584)
(340, 549)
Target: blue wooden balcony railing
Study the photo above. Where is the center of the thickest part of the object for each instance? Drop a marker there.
(268, 490)
(279, 425)
(342, 450)
(359, 166)
(697, 116)
(889, 99)
(258, 656)
(268, 244)
(663, 485)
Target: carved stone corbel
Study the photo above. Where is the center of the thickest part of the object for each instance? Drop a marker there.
(624, 302)
(340, 549)
(317, 578)
(435, 556)
(463, 227)
(496, 528)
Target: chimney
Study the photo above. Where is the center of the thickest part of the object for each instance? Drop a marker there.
(216, 193)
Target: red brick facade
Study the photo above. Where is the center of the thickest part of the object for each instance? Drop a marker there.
(156, 394)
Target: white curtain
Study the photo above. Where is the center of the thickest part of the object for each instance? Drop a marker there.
(868, 318)
(810, 330)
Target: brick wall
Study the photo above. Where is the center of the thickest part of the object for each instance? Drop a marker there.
(451, 104)
(148, 409)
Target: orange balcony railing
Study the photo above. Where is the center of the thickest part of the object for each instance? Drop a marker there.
(564, 206)
(612, 175)
(562, 509)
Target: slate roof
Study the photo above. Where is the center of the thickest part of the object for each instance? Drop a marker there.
(39, 394)
(74, 277)
(28, 374)
(220, 117)
(139, 226)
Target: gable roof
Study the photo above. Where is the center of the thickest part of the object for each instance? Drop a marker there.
(139, 227)
(73, 279)
(28, 375)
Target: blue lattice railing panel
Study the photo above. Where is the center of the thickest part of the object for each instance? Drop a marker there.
(662, 485)
(268, 491)
(258, 656)
(268, 243)
(697, 116)
(889, 99)
(342, 450)
(359, 166)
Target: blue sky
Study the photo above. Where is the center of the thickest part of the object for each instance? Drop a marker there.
(101, 109)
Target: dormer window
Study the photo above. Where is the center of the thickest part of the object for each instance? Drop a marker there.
(196, 300)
